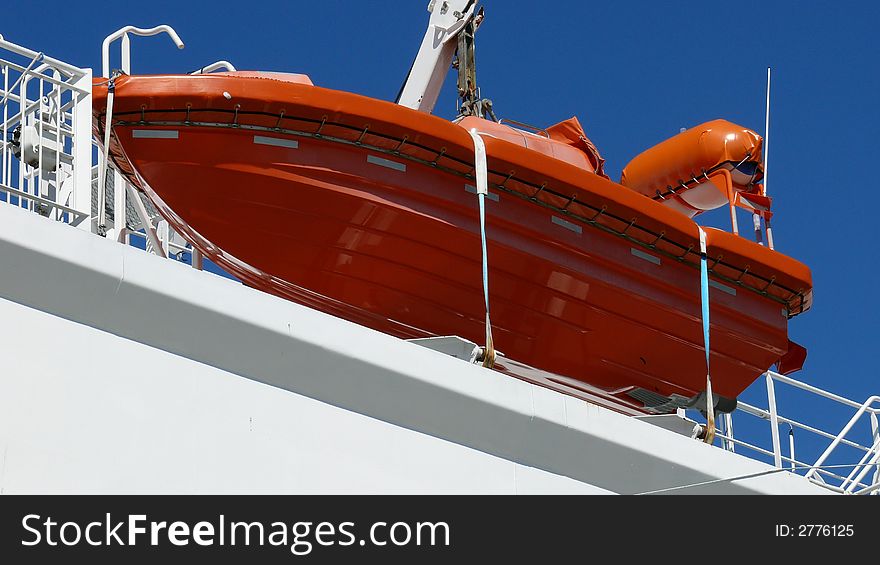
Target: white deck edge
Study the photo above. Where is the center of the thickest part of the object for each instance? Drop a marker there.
(166, 305)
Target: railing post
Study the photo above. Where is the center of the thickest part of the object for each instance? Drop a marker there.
(875, 435)
(118, 203)
(197, 259)
(126, 54)
(728, 431)
(149, 230)
(162, 230)
(5, 131)
(774, 422)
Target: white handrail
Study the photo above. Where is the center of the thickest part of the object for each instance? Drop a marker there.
(864, 408)
(22, 76)
(814, 390)
(215, 66)
(860, 479)
(126, 55)
(765, 415)
(55, 63)
(866, 464)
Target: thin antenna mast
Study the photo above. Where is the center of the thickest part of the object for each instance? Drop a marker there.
(767, 156)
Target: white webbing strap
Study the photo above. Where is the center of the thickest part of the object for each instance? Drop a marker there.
(105, 164)
(481, 174)
(704, 300)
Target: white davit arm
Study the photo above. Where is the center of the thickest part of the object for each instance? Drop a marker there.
(422, 86)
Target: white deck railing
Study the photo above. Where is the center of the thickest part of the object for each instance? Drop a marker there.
(49, 161)
(849, 463)
(45, 136)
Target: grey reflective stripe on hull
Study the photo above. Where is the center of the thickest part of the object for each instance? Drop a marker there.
(155, 134)
(276, 142)
(646, 256)
(386, 163)
(567, 225)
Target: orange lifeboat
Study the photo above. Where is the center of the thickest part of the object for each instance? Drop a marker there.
(702, 169)
(365, 209)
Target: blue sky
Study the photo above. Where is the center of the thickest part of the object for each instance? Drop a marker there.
(635, 72)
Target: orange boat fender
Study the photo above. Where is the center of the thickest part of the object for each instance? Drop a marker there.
(702, 169)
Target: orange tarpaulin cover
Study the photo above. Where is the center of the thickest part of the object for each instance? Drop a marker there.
(572, 133)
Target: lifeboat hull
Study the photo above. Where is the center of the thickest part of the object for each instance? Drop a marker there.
(392, 242)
